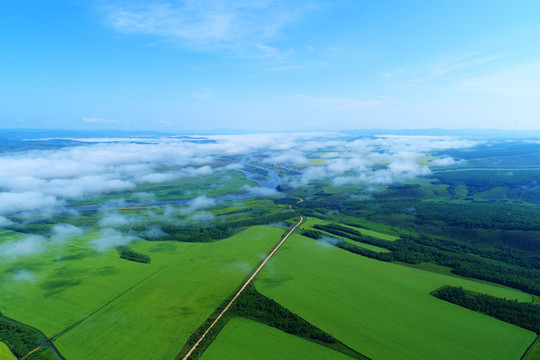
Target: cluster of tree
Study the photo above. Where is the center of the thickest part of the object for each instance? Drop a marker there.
(21, 339)
(477, 215)
(128, 253)
(481, 215)
(253, 305)
(201, 233)
(483, 180)
(402, 191)
(239, 211)
(525, 315)
(342, 244)
(462, 260)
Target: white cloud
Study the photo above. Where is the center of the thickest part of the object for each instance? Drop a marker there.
(207, 25)
(259, 191)
(27, 246)
(44, 180)
(445, 161)
(103, 120)
(157, 177)
(63, 232)
(201, 217)
(109, 239)
(11, 203)
(4, 221)
(23, 275)
(290, 156)
(201, 202)
(361, 160)
(204, 94)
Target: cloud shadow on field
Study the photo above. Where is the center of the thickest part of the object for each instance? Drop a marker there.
(54, 287)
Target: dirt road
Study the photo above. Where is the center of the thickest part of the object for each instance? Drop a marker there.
(244, 286)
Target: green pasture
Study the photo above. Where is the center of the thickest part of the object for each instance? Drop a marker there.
(5, 353)
(384, 310)
(154, 319)
(247, 339)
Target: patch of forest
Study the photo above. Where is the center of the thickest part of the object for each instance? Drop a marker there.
(525, 315)
(21, 339)
(483, 180)
(128, 253)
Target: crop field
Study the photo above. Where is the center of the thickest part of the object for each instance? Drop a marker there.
(156, 317)
(74, 283)
(384, 310)
(70, 282)
(245, 339)
(5, 353)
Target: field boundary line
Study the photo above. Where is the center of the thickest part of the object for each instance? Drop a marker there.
(524, 356)
(55, 337)
(243, 287)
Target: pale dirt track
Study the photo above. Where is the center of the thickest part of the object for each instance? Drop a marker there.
(245, 285)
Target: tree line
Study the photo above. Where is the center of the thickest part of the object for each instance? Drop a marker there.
(525, 315)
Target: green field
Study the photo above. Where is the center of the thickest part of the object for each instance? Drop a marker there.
(384, 310)
(5, 353)
(246, 339)
(154, 317)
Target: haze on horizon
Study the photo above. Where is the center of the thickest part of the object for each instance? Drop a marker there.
(273, 65)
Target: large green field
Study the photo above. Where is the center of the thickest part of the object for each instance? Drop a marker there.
(384, 310)
(153, 307)
(245, 339)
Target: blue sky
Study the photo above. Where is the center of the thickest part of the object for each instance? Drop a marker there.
(269, 64)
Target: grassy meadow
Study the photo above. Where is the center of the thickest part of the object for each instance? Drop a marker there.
(384, 310)
(245, 339)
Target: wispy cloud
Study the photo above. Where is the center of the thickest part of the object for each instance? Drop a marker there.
(341, 103)
(103, 120)
(207, 25)
(446, 68)
(517, 80)
(204, 94)
(454, 63)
